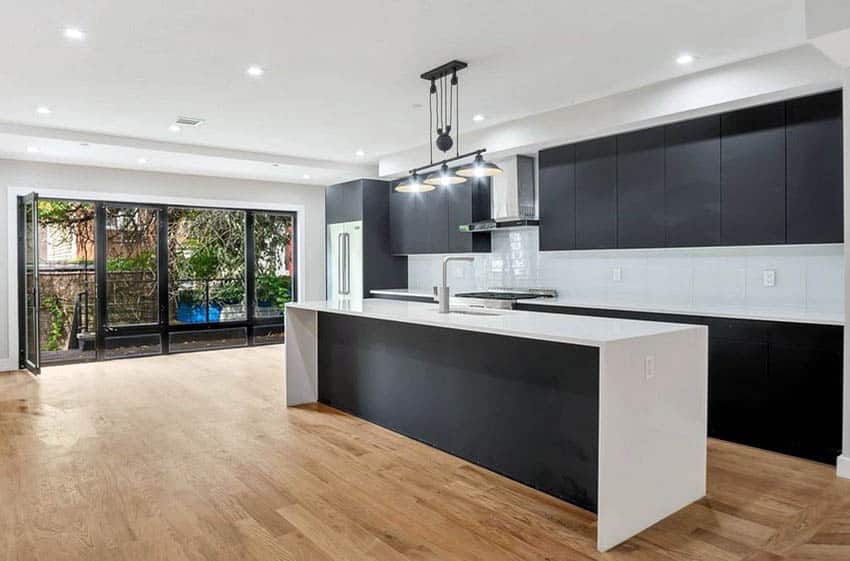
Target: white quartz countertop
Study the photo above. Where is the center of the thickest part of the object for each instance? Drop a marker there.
(560, 328)
(801, 317)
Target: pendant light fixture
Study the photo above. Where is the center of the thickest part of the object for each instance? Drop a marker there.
(479, 168)
(444, 176)
(443, 107)
(414, 184)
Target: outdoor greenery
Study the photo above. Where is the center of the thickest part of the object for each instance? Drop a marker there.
(57, 329)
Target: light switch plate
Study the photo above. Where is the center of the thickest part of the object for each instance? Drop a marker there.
(769, 278)
(649, 367)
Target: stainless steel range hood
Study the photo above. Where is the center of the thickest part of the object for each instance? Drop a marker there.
(514, 198)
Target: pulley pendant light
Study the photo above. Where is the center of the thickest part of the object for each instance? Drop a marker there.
(444, 107)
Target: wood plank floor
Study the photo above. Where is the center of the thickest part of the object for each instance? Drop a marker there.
(194, 457)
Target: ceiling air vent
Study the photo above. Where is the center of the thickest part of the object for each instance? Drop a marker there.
(188, 121)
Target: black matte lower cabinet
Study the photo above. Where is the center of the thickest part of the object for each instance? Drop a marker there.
(771, 385)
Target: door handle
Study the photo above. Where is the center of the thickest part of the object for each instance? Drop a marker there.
(339, 264)
(347, 239)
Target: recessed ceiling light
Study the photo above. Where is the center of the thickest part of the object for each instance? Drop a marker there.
(142, 160)
(43, 110)
(33, 149)
(478, 118)
(306, 176)
(360, 153)
(255, 71)
(74, 33)
(174, 128)
(685, 58)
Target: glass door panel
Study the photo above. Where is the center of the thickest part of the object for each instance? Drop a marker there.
(206, 266)
(67, 293)
(131, 284)
(274, 269)
(28, 248)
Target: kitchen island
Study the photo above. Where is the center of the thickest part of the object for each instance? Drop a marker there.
(607, 414)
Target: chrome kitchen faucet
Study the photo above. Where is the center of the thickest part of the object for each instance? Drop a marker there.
(443, 290)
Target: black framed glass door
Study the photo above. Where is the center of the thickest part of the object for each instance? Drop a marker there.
(157, 279)
(128, 262)
(28, 289)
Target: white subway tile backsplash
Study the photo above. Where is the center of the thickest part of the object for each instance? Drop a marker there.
(809, 278)
(720, 281)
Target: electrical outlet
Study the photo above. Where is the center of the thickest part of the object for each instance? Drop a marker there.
(769, 278)
(617, 274)
(649, 367)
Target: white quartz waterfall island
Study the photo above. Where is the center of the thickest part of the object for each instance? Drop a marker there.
(607, 414)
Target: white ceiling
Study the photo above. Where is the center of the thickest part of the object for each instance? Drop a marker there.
(341, 75)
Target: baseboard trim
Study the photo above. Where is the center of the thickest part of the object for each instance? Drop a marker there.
(8, 364)
(843, 466)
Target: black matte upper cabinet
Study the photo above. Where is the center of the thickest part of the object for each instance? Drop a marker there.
(428, 222)
(752, 164)
(640, 189)
(557, 193)
(692, 190)
(468, 202)
(596, 194)
(815, 175)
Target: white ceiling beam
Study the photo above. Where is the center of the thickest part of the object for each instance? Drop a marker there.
(36, 132)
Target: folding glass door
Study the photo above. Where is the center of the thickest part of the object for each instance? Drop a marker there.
(28, 282)
(105, 280)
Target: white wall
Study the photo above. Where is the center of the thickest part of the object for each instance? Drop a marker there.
(129, 185)
(809, 279)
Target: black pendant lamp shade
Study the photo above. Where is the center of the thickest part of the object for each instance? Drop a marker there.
(479, 168)
(413, 184)
(444, 176)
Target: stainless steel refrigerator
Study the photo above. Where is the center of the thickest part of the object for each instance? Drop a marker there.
(345, 261)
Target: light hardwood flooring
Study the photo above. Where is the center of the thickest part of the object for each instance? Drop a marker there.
(194, 456)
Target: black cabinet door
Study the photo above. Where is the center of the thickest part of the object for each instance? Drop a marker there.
(738, 391)
(343, 202)
(596, 194)
(640, 189)
(557, 194)
(692, 191)
(468, 202)
(433, 220)
(752, 164)
(402, 213)
(805, 396)
(815, 174)
(460, 212)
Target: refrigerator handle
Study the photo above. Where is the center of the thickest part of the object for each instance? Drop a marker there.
(347, 239)
(339, 264)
